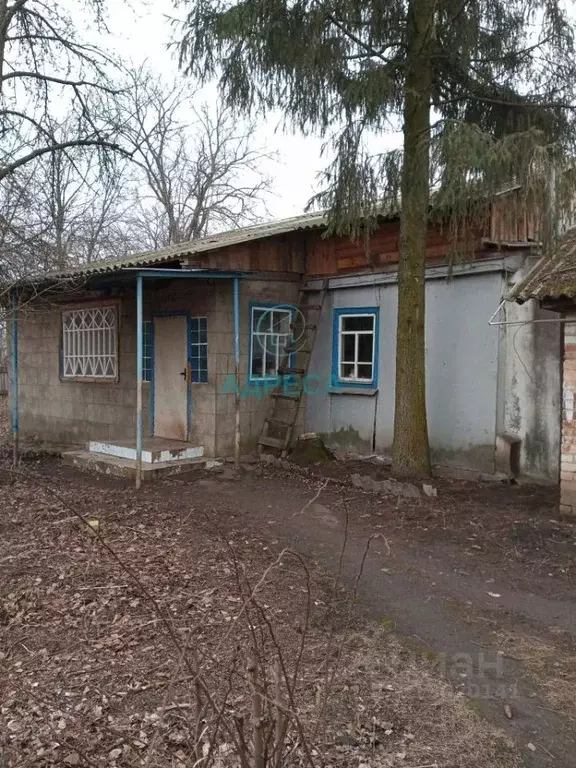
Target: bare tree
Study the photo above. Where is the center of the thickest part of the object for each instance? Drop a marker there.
(25, 247)
(42, 64)
(66, 208)
(145, 226)
(201, 174)
(81, 203)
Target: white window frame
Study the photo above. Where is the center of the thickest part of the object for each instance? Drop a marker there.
(90, 353)
(355, 362)
(279, 351)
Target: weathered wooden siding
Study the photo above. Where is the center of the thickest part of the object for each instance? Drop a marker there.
(285, 253)
(336, 255)
(307, 252)
(513, 219)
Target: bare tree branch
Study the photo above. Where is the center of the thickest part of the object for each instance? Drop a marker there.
(46, 70)
(202, 176)
(36, 153)
(58, 80)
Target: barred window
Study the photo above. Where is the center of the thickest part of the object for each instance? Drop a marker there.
(90, 343)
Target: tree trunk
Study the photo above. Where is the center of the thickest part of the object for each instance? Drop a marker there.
(5, 18)
(411, 454)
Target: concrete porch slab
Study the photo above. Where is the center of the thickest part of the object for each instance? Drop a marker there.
(155, 450)
(120, 467)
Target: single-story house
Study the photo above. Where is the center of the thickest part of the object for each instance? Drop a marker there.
(176, 352)
(552, 283)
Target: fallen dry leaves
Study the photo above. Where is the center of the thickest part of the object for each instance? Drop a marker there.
(89, 675)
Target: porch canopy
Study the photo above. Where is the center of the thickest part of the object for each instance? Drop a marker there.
(111, 274)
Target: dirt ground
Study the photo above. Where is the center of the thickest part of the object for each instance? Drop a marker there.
(432, 632)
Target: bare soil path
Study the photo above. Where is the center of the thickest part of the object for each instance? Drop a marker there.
(480, 579)
(478, 582)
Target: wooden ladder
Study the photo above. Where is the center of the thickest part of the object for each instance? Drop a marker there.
(284, 401)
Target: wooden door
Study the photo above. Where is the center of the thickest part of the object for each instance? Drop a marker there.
(170, 385)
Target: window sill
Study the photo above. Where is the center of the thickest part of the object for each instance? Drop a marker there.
(87, 380)
(271, 382)
(367, 391)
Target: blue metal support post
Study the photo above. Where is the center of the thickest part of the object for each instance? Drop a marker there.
(139, 361)
(236, 290)
(14, 383)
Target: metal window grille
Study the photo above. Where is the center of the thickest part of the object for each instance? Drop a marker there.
(89, 343)
(270, 333)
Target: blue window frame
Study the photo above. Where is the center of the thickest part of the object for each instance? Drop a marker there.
(270, 333)
(355, 347)
(148, 337)
(199, 350)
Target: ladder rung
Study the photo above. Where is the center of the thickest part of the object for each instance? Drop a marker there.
(307, 327)
(305, 307)
(293, 350)
(272, 442)
(280, 422)
(283, 396)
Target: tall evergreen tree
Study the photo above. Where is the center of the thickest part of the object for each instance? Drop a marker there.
(484, 90)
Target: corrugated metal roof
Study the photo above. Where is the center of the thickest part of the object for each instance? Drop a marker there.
(554, 275)
(209, 243)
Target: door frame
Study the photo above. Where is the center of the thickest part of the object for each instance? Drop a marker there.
(170, 313)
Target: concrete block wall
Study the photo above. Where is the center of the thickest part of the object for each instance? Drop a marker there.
(57, 412)
(568, 455)
(54, 411)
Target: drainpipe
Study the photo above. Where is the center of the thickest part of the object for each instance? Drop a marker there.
(139, 350)
(236, 291)
(14, 387)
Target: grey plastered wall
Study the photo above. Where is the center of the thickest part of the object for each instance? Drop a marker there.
(531, 382)
(269, 288)
(462, 368)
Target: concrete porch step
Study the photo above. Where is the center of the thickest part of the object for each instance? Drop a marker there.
(154, 450)
(120, 467)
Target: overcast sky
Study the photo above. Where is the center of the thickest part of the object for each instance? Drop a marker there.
(141, 31)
